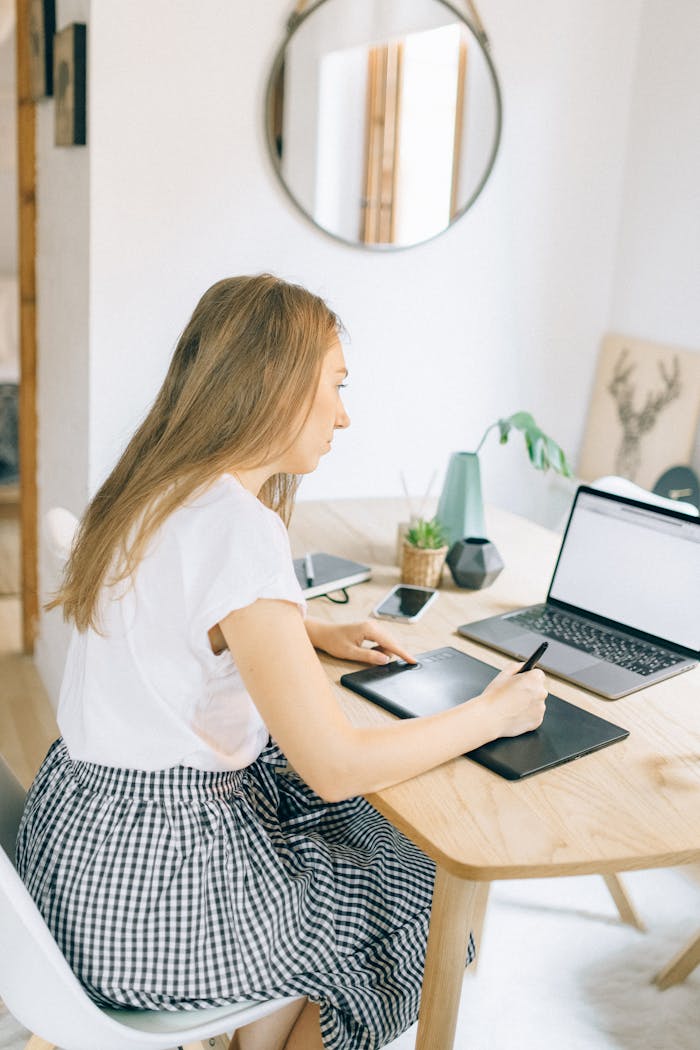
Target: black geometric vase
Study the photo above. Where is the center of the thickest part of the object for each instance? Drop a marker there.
(474, 562)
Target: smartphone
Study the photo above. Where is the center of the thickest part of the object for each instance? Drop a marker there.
(405, 603)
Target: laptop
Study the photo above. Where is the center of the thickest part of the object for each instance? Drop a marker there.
(445, 677)
(623, 608)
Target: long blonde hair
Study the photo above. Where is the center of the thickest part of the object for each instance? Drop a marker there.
(244, 369)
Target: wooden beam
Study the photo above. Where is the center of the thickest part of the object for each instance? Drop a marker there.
(458, 143)
(389, 142)
(396, 145)
(26, 229)
(374, 137)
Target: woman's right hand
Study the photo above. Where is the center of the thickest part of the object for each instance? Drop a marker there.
(515, 702)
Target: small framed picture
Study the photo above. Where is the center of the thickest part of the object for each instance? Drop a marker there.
(644, 410)
(42, 26)
(69, 74)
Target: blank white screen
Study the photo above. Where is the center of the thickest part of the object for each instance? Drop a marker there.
(633, 566)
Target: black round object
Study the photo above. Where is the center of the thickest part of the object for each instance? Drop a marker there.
(679, 483)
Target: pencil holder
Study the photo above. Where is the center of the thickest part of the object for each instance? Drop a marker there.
(401, 532)
(422, 567)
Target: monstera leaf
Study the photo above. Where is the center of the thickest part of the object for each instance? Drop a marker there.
(543, 451)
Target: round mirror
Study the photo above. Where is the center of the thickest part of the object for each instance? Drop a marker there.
(383, 118)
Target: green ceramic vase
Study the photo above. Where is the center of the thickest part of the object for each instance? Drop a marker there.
(461, 508)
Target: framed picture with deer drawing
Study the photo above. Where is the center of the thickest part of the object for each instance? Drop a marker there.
(644, 411)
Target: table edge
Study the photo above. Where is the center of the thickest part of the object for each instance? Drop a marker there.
(504, 872)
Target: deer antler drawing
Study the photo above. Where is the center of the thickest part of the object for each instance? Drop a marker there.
(638, 422)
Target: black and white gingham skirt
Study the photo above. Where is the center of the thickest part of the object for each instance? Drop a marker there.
(181, 888)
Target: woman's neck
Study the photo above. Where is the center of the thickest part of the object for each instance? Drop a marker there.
(252, 479)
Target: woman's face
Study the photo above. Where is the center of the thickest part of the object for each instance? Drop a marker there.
(326, 415)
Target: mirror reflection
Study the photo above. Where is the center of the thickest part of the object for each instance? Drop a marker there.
(383, 118)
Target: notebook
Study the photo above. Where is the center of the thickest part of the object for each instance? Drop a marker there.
(330, 573)
(623, 608)
(445, 677)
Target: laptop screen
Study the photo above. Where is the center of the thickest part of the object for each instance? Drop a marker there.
(635, 565)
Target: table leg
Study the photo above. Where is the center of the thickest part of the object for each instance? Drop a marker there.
(451, 918)
(478, 918)
(680, 966)
(622, 902)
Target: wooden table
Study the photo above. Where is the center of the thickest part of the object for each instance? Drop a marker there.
(633, 805)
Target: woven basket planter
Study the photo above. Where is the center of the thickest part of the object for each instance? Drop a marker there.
(422, 568)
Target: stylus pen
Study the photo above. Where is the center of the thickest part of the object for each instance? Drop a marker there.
(532, 660)
(309, 570)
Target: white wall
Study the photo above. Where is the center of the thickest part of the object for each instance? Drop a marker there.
(9, 299)
(656, 291)
(8, 157)
(63, 351)
(504, 311)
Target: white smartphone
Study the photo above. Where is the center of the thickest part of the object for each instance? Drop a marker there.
(405, 603)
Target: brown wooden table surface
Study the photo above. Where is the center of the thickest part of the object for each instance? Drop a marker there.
(635, 804)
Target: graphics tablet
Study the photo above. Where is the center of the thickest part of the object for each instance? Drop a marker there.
(445, 677)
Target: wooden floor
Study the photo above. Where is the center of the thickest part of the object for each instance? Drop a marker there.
(27, 722)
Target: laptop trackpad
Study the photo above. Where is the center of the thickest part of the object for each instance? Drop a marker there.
(563, 659)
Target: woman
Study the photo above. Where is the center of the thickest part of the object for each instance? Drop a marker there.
(179, 861)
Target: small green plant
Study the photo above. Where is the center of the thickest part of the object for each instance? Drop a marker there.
(542, 449)
(426, 534)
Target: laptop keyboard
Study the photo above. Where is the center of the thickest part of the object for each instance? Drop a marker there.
(630, 653)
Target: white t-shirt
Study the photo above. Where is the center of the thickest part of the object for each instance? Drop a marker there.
(148, 692)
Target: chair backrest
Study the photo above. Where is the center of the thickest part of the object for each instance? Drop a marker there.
(624, 487)
(12, 797)
(36, 983)
(42, 992)
(60, 527)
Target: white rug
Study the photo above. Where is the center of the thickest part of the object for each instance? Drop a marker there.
(560, 972)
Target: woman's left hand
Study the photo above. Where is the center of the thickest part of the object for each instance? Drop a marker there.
(345, 640)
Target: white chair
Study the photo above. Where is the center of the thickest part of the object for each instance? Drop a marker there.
(43, 994)
(60, 527)
(624, 487)
(565, 489)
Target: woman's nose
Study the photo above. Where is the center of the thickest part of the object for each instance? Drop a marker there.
(342, 420)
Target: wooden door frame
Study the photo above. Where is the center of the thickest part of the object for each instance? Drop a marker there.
(26, 245)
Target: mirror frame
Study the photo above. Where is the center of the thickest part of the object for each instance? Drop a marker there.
(295, 21)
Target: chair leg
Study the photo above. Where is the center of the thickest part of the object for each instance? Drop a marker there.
(679, 967)
(481, 900)
(37, 1043)
(622, 902)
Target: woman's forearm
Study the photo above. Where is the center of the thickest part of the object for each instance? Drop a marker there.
(290, 689)
(316, 630)
(372, 758)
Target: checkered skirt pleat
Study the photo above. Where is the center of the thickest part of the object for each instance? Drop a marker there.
(182, 888)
